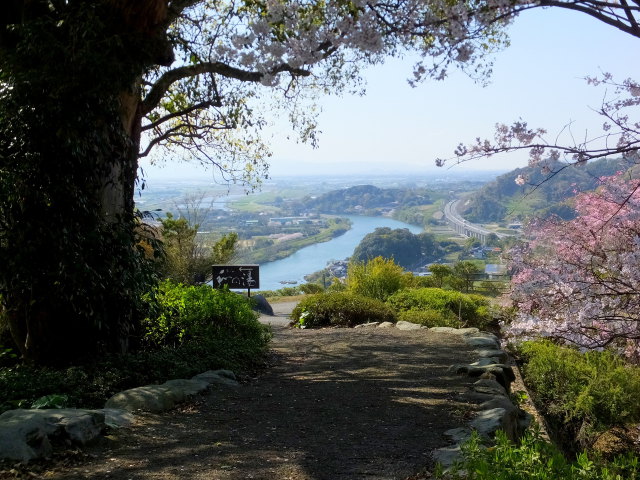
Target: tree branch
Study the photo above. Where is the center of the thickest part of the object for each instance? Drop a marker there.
(169, 78)
(186, 111)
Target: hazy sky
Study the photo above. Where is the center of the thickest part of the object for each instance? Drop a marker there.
(539, 78)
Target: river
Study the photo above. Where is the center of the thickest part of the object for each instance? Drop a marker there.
(315, 257)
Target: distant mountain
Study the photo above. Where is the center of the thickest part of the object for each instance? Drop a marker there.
(543, 194)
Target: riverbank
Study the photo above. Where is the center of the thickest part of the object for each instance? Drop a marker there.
(336, 226)
(313, 258)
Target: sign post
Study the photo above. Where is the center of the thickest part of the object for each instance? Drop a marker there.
(236, 276)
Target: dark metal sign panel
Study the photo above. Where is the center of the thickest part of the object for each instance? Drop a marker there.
(236, 276)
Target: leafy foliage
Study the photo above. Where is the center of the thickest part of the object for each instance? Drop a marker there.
(70, 267)
(188, 330)
(376, 278)
(466, 310)
(343, 309)
(399, 244)
(533, 458)
(187, 259)
(430, 317)
(181, 314)
(586, 392)
(577, 281)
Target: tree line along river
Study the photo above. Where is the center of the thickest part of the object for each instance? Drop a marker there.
(315, 257)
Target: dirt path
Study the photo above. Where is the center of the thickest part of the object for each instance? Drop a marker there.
(337, 404)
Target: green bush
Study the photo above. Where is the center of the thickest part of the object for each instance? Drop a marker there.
(311, 288)
(378, 278)
(535, 459)
(472, 310)
(189, 330)
(181, 313)
(586, 392)
(343, 309)
(429, 318)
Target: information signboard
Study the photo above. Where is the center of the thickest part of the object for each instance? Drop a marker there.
(236, 276)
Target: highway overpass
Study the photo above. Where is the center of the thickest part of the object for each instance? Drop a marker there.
(466, 228)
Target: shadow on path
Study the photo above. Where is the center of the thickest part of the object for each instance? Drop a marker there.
(338, 404)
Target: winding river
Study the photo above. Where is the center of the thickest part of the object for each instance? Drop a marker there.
(315, 257)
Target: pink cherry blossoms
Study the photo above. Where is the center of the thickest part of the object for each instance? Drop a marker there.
(579, 280)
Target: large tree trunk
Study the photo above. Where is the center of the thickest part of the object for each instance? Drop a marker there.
(72, 277)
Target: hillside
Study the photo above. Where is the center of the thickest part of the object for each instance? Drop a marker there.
(502, 200)
(363, 198)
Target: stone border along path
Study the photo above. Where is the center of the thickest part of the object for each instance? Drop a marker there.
(28, 434)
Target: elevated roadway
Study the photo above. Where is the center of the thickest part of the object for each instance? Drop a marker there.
(466, 228)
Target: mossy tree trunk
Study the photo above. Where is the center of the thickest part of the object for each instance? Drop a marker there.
(71, 276)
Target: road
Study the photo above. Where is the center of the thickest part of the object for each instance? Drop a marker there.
(465, 227)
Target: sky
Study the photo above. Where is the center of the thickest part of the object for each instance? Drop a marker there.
(396, 128)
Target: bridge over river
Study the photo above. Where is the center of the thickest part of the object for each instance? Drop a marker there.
(466, 228)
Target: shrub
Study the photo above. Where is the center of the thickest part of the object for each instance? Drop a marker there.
(378, 278)
(472, 310)
(343, 309)
(533, 458)
(586, 392)
(181, 313)
(429, 318)
(311, 288)
(188, 330)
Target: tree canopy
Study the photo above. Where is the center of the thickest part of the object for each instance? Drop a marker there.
(577, 280)
(405, 248)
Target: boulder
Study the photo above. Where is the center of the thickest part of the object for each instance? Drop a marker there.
(501, 355)
(447, 456)
(149, 398)
(483, 340)
(261, 305)
(368, 325)
(502, 373)
(489, 387)
(188, 387)
(489, 421)
(450, 330)
(117, 418)
(28, 434)
(387, 325)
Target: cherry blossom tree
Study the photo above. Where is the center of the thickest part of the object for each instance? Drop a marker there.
(579, 280)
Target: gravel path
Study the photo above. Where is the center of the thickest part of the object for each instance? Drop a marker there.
(336, 404)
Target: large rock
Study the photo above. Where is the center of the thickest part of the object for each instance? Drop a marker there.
(489, 421)
(149, 398)
(502, 373)
(219, 377)
(483, 340)
(498, 354)
(28, 434)
(386, 325)
(261, 304)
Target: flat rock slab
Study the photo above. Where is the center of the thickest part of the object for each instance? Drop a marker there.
(402, 325)
(483, 340)
(455, 331)
(28, 434)
(149, 398)
(158, 398)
